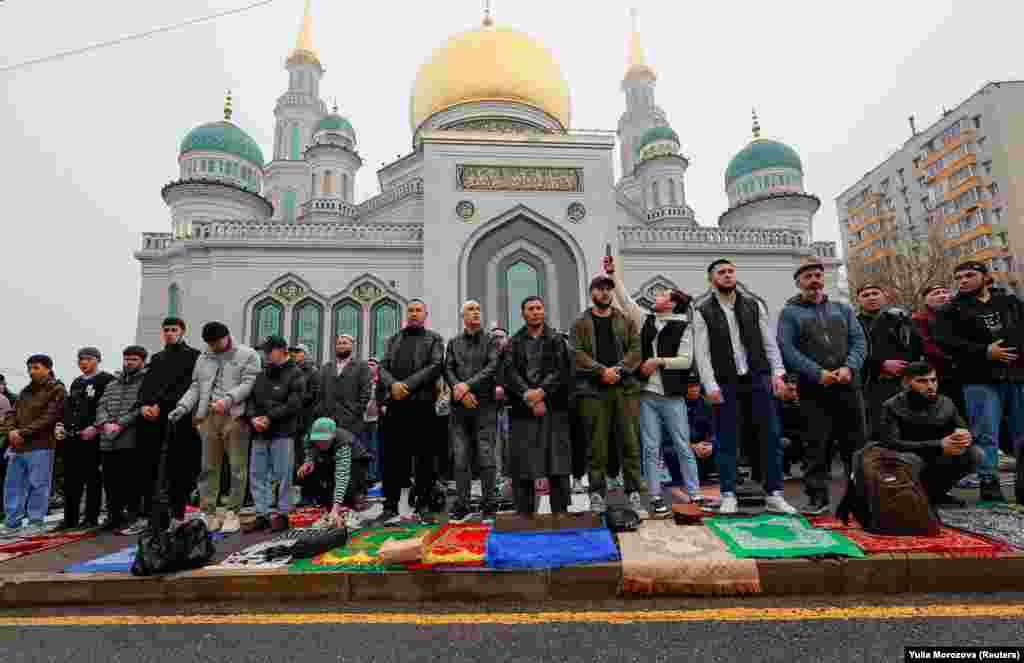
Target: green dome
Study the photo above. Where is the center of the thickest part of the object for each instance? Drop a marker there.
(223, 137)
(655, 134)
(335, 122)
(759, 155)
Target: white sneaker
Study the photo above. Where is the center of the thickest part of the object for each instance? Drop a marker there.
(776, 503)
(597, 504)
(729, 504)
(212, 523)
(577, 487)
(636, 503)
(231, 523)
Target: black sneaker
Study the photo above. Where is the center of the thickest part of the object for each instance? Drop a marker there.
(816, 506)
(490, 511)
(261, 524)
(91, 523)
(65, 526)
(990, 491)
(459, 514)
(658, 509)
(112, 525)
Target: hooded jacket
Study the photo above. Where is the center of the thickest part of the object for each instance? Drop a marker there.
(35, 415)
(238, 368)
(120, 405)
(967, 326)
(278, 394)
(816, 337)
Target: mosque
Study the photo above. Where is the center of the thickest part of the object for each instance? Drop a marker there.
(499, 198)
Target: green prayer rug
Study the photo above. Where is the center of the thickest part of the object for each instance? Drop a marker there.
(361, 554)
(780, 536)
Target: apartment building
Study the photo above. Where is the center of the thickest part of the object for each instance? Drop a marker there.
(963, 174)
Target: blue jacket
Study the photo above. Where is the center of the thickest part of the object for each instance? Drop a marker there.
(820, 337)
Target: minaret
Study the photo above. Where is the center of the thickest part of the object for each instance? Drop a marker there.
(641, 113)
(333, 162)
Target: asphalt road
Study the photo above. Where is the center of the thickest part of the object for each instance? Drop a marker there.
(865, 629)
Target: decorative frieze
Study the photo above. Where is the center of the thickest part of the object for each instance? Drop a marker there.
(519, 178)
(289, 291)
(498, 126)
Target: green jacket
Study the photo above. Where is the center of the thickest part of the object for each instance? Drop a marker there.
(588, 370)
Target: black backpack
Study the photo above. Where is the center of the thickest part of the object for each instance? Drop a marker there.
(622, 520)
(886, 496)
(186, 547)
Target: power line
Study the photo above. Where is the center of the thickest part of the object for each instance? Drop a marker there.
(121, 40)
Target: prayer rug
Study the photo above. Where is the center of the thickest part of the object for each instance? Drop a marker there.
(664, 558)
(456, 544)
(303, 518)
(769, 536)
(360, 554)
(21, 547)
(547, 522)
(550, 550)
(996, 522)
(951, 542)
(251, 557)
(119, 562)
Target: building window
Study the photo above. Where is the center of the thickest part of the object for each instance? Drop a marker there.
(267, 320)
(173, 301)
(385, 325)
(328, 183)
(348, 319)
(976, 120)
(296, 148)
(307, 327)
(656, 194)
(521, 280)
(288, 205)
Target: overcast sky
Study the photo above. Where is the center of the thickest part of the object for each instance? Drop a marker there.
(89, 140)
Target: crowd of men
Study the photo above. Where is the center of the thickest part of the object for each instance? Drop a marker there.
(696, 383)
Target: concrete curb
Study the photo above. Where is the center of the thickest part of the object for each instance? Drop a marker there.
(881, 574)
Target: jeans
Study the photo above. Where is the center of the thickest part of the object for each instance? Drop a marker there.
(222, 433)
(472, 434)
(272, 461)
(748, 405)
(27, 486)
(665, 417)
(985, 409)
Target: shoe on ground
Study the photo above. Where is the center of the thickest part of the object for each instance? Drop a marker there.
(679, 496)
(489, 511)
(658, 508)
(10, 532)
(136, 528)
(969, 481)
(34, 529)
(92, 523)
(990, 491)
(459, 514)
(65, 526)
(259, 524)
(577, 487)
(729, 505)
(112, 525)
(948, 500)
(817, 505)
(213, 523)
(597, 504)
(390, 517)
(231, 523)
(636, 503)
(776, 503)
(279, 523)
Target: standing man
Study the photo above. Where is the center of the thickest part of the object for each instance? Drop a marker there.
(221, 384)
(117, 417)
(936, 296)
(371, 431)
(502, 341)
(413, 361)
(893, 343)
(537, 382)
(607, 352)
(169, 377)
(666, 349)
(30, 430)
(80, 444)
(299, 355)
(471, 362)
(741, 366)
(824, 343)
(982, 330)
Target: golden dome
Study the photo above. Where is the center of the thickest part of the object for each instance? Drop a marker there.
(490, 64)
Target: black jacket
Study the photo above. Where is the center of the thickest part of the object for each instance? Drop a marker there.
(918, 427)
(82, 401)
(473, 360)
(169, 377)
(428, 358)
(556, 380)
(966, 327)
(891, 334)
(344, 397)
(278, 394)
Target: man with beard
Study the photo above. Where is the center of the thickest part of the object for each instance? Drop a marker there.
(80, 445)
(413, 361)
(893, 342)
(471, 362)
(118, 416)
(169, 377)
(741, 366)
(607, 352)
(823, 342)
(537, 382)
(936, 296)
(983, 330)
(922, 422)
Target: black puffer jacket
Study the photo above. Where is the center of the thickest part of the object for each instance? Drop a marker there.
(120, 405)
(278, 394)
(82, 401)
(966, 327)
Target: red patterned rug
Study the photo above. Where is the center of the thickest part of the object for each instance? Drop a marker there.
(28, 546)
(456, 545)
(303, 518)
(950, 541)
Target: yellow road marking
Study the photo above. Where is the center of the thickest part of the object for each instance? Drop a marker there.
(1005, 611)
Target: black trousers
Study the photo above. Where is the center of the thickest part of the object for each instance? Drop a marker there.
(82, 474)
(526, 495)
(941, 472)
(580, 444)
(411, 432)
(183, 459)
(834, 413)
(120, 481)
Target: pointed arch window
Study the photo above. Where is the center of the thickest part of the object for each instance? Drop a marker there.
(656, 194)
(328, 183)
(385, 317)
(671, 192)
(288, 203)
(522, 280)
(307, 327)
(267, 320)
(174, 301)
(295, 142)
(348, 319)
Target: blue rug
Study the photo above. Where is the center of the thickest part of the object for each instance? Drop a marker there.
(119, 562)
(550, 550)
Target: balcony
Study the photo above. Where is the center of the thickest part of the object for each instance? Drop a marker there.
(156, 241)
(329, 207)
(670, 212)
